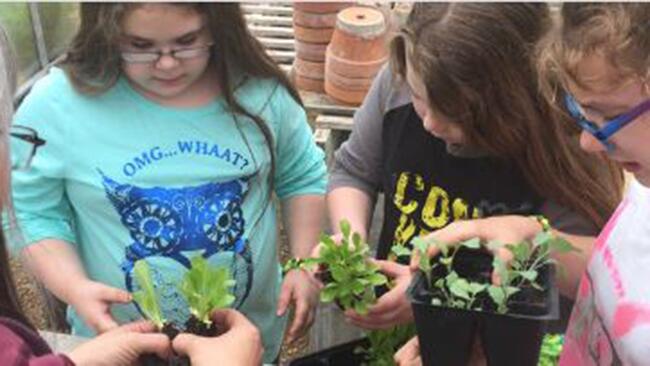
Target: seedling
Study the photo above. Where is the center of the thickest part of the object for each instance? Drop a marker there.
(205, 289)
(384, 343)
(147, 297)
(455, 291)
(346, 271)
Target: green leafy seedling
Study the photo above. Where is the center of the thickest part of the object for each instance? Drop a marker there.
(350, 275)
(456, 292)
(206, 289)
(147, 297)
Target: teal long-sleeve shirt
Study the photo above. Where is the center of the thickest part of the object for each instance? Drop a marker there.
(125, 179)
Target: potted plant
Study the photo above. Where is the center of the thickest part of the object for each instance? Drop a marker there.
(205, 289)
(352, 281)
(454, 300)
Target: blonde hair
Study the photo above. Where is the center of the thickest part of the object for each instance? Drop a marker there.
(617, 31)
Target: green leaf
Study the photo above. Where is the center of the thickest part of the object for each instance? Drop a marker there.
(420, 245)
(328, 294)
(497, 294)
(530, 275)
(521, 251)
(206, 288)
(345, 228)
(474, 243)
(460, 288)
(542, 238)
(146, 297)
(561, 245)
(358, 287)
(401, 251)
(338, 273)
(361, 308)
(475, 287)
(451, 277)
(327, 240)
(446, 261)
(378, 279)
(356, 240)
(510, 290)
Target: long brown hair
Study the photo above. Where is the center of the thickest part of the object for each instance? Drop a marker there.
(93, 63)
(9, 303)
(476, 62)
(618, 31)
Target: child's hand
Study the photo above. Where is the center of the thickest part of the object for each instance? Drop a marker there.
(241, 344)
(301, 288)
(409, 354)
(393, 307)
(92, 300)
(122, 346)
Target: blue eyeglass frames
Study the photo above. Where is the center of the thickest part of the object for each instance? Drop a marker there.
(609, 127)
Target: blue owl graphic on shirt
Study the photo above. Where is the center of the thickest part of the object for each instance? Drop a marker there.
(169, 226)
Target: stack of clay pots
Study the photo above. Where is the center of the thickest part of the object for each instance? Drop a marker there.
(313, 25)
(355, 54)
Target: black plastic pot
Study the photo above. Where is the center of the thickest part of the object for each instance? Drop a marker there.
(346, 354)
(446, 334)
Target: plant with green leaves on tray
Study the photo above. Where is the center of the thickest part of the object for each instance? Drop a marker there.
(456, 291)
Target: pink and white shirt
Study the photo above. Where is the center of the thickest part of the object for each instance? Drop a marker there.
(610, 322)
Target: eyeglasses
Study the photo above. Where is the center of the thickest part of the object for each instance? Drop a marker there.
(610, 127)
(24, 147)
(154, 56)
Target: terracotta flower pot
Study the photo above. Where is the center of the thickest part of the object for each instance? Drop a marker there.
(314, 20)
(312, 35)
(309, 69)
(314, 85)
(321, 7)
(310, 51)
(344, 95)
(355, 54)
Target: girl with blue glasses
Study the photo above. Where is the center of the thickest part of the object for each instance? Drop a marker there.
(599, 55)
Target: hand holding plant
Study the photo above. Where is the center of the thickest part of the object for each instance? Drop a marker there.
(122, 346)
(505, 229)
(348, 275)
(204, 287)
(392, 308)
(525, 260)
(240, 344)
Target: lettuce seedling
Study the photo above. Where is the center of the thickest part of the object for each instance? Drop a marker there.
(147, 297)
(206, 289)
(346, 271)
